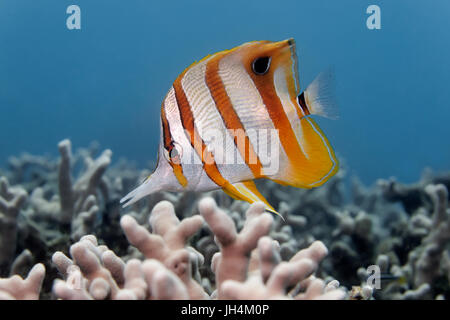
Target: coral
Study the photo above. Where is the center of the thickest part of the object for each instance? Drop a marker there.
(206, 245)
(428, 264)
(274, 278)
(419, 270)
(167, 243)
(235, 248)
(97, 273)
(169, 265)
(77, 205)
(16, 288)
(31, 171)
(90, 275)
(11, 201)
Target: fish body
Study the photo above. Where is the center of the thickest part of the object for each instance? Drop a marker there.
(238, 115)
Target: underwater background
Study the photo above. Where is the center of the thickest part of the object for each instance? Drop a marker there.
(79, 129)
(106, 81)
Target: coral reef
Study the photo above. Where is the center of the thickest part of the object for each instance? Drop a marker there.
(208, 246)
(11, 201)
(274, 279)
(77, 204)
(169, 269)
(168, 243)
(16, 288)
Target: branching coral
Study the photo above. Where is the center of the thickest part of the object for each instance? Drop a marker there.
(180, 246)
(77, 204)
(90, 273)
(11, 201)
(274, 279)
(95, 272)
(428, 265)
(427, 262)
(235, 248)
(16, 288)
(168, 243)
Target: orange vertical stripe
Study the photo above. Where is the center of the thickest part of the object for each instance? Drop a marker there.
(229, 116)
(266, 89)
(187, 120)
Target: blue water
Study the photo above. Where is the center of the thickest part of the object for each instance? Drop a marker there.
(106, 81)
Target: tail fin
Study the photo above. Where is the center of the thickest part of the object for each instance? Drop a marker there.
(319, 97)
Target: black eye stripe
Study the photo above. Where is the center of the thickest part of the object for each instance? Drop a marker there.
(261, 65)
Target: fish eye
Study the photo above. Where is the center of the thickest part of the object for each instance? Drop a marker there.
(261, 65)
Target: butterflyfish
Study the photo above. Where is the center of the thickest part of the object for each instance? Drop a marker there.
(238, 115)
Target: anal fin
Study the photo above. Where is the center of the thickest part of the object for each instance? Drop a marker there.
(247, 191)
